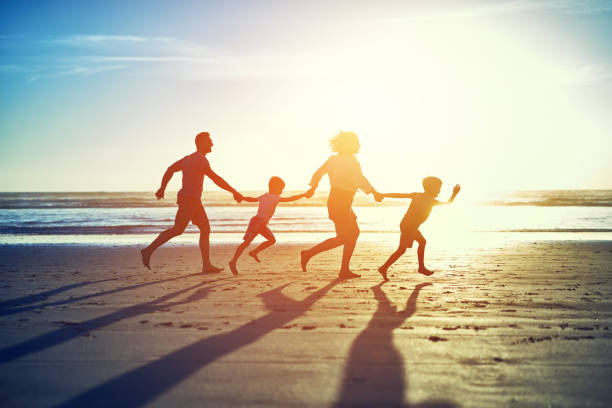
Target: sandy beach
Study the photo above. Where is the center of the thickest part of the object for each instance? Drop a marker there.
(523, 324)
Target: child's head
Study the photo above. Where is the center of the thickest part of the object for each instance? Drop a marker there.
(276, 185)
(432, 185)
(203, 142)
(345, 143)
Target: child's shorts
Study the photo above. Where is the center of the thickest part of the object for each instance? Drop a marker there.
(409, 233)
(257, 225)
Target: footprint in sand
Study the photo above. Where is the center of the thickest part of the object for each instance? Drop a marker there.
(436, 339)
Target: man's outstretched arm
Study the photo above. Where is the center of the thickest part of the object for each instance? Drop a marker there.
(166, 178)
(218, 180)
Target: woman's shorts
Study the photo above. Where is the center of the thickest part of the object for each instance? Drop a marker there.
(339, 205)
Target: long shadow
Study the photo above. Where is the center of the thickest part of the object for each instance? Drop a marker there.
(72, 331)
(39, 297)
(374, 374)
(14, 310)
(142, 385)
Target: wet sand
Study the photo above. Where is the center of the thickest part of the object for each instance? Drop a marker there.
(524, 324)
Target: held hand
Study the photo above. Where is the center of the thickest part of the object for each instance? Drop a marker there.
(238, 197)
(159, 193)
(378, 197)
(309, 193)
(456, 189)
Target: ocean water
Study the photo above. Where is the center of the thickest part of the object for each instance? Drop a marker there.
(137, 217)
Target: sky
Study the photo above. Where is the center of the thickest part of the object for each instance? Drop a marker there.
(504, 95)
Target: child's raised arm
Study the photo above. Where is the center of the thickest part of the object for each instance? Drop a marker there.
(456, 190)
(250, 199)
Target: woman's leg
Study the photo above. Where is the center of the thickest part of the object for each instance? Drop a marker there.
(349, 232)
(326, 245)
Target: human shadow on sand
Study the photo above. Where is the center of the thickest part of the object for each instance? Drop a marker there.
(374, 374)
(72, 331)
(10, 307)
(41, 296)
(142, 385)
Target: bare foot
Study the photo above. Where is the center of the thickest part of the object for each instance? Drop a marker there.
(211, 269)
(425, 271)
(304, 258)
(253, 255)
(383, 272)
(146, 258)
(232, 266)
(348, 275)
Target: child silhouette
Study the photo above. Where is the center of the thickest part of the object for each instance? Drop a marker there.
(418, 212)
(259, 223)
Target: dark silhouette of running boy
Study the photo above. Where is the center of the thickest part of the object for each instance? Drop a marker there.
(189, 200)
(418, 212)
(259, 223)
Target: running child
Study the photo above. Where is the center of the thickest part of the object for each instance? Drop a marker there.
(259, 223)
(418, 212)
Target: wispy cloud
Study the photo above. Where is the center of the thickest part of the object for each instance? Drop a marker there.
(86, 55)
(86, 70)
(88, 40)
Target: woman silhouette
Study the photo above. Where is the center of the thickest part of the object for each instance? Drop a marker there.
(345, 177)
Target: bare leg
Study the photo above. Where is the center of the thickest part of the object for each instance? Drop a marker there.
(207, 266)
(270, 240)
(239, 250)
(180, 223)
(421, 254)
(349, 232)
(352, 233)
(392, 259)
(326, 245)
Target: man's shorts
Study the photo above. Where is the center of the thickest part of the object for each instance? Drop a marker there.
(257, 225)
(192, 209)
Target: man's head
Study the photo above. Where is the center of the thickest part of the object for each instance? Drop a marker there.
(276, 185)
(345, 143)
(203, 142)
(432, 185)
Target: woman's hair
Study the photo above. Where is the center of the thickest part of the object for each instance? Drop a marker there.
(344, 143)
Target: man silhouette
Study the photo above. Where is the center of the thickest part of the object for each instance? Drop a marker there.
(189, 199)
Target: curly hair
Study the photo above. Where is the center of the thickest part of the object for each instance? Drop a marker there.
(344, 143)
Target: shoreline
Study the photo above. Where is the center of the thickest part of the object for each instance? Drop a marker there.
(476, 239)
